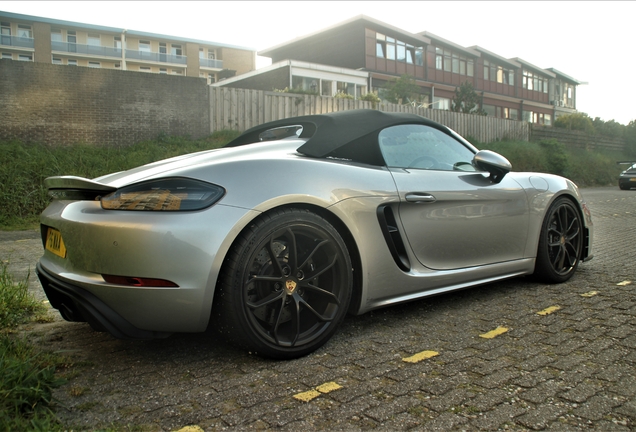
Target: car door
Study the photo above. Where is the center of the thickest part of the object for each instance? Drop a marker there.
(452, 215)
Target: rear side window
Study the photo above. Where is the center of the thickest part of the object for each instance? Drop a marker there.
(423, 147)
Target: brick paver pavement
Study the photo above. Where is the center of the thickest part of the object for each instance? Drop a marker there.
(572, 367)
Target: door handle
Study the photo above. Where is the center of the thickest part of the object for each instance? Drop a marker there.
(420, 197)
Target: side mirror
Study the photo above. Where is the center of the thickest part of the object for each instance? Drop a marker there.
(494, 163)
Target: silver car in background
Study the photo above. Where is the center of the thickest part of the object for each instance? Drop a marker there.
(272, 239)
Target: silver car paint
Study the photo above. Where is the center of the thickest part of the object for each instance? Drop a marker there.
(189, 248)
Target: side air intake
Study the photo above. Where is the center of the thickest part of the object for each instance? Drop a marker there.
(393, 238)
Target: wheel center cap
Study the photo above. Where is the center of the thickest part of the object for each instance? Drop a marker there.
(290, 286)
(562, 240)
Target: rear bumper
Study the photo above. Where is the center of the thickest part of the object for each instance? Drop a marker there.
(79, 305)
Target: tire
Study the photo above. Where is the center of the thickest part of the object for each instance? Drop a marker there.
(623, 186)
(286, 285)
(560, 242)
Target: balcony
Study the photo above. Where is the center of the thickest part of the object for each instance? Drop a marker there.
(209, 63)
(17, 41)
(95, 50)
(155, 57)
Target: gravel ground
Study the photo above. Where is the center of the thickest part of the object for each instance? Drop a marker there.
(572, 368)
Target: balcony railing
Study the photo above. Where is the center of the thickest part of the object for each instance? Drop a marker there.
(216, 64)
(155, 57)
(17, 41)
(85, 49)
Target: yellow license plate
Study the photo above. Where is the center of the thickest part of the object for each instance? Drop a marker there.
(54, 243)
(632, 179)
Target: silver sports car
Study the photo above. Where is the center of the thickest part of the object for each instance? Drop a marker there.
(274, 238)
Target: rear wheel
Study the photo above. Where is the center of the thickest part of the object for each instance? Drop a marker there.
(560, 242)
(286, 286)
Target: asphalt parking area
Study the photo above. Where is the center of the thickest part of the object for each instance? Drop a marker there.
(512, 355)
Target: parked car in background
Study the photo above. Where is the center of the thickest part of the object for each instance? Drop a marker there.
(274, 238)
(627, 178)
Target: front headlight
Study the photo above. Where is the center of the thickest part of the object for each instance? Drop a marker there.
(173, 194)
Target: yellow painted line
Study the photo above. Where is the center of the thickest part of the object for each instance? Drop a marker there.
(549, 310)
(589, 294)
(420, 356)
(194, 428)
(328, 387)
(494, 333)
(307, 396)
(325, 388)
(624, 283)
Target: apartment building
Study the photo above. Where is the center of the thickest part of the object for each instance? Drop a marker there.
(32, 38)
(509, 88)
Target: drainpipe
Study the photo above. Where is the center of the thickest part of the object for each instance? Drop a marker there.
(123, 50)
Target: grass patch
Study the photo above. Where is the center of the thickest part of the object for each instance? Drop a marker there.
(17, 305)
(27, 375)
(23, 168)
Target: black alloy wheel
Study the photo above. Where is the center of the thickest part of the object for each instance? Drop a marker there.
(560, 242)
(289, 285)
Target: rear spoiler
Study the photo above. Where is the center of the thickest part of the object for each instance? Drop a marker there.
(78, 183)
(75, 188)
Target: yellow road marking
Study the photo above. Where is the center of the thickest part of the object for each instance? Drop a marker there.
(549, 310)
(589, 294)
(328, 387)
(325, 388)
(420, 356)
(494, 333)
(307, 396)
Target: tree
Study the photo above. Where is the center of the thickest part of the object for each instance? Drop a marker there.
(402, 90)
(466, 100)
(576, 121)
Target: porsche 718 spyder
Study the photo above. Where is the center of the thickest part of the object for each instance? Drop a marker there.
(274, 238)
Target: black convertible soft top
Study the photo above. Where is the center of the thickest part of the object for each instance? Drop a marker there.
(344, 134)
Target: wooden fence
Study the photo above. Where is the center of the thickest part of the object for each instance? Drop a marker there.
(240, 109)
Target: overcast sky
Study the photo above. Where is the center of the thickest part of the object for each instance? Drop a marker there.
(591, 41)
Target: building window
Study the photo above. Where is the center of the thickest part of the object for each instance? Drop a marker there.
(144, 46)
(5, 33)
(57, 60)
(71, 39)
(211, 55)
(534, 82)
(24, 31)
(326, 88)
(211, 78)
(452, 62)
(117, 42)
(380, 45)
(163, 71)
(7, 56)
(175, 50)
(71, 62)
(56, 35)
(117, 65)
(94, 39)
(25, 57)
(144, 69)
(92, 64)
(441, 103)
(177, 72)
(390, 48)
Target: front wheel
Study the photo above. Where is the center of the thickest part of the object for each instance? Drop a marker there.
(286, 285)
(560, 242)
